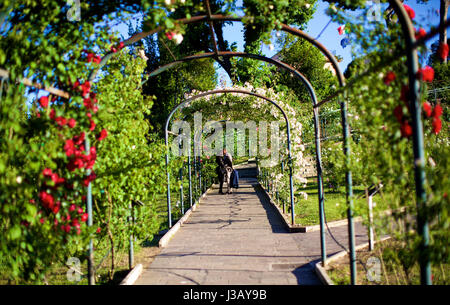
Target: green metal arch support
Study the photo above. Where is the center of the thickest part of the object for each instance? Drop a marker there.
(213, 92)
(313, 96)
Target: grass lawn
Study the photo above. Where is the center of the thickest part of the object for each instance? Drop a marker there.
(379, 268)
(307, 210)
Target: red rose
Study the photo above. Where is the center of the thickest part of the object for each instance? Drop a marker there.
(98, 230)
(92, 127)
(47, 172)
(410, 11)
(90, 159)
(76, 84)
(79, 139)
(52, 114)
(398, 112)
(97, 59)
(426, 74)
(60, 181)
(55, 208)
(72, 123)
(72, 208)
(420, 33)
(102, 135)
(170, 35)
(113, 49)
(390, 76)
(67, 228)
(75, 223)
(437, 125)
(121, 45)
(427, 109)
(404, 94)
(80, 210)
(71, 166)
(84, 217)
(43, 101)
(89, 178)
(61, 121)
(42, 220)
(437, 111)
(69, 147)
(90, 57)
(406, 130)
(55, 177)
(86, 88)
(443, 51)
(46, 199)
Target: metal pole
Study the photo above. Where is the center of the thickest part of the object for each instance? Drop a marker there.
(418, 141)
(371, 233)
(190, 177)
(131, 250)
(91, 270)
(169, 212)
(194, 161)
(181, 191)
(320, 185)
(349, 193)
(200, 186)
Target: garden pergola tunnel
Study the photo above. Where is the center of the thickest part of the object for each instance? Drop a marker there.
(214, 92)
(313, 97)
(411, 45)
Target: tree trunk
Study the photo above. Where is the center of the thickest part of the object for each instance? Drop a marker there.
(442, 18)
(225, 62)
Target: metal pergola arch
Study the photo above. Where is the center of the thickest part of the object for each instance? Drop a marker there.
(417, 136)
(185, 103)
(313, 96)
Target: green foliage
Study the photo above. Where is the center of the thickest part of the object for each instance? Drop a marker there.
(130, 165)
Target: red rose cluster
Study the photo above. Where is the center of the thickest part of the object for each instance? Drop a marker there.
(55, 189)
(75, 213)
(425, 74)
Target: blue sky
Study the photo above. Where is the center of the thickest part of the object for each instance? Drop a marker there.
(425, 15)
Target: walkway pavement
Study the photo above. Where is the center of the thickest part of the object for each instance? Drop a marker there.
(239, 239)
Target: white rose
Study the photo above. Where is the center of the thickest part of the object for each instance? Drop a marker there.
(142, 55)
(178, 38)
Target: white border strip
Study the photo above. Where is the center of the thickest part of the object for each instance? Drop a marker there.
(131, 278)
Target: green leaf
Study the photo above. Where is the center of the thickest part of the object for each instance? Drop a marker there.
(15, 232)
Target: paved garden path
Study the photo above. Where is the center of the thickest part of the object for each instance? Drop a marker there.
(239, 239)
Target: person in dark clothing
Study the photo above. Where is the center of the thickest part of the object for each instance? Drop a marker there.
(224, 169)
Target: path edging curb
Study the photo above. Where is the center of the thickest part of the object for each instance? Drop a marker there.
(304, 229)
(170, 233)
(322, 271)
(133, 275)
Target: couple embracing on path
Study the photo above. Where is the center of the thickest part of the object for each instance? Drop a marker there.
(225, 172)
